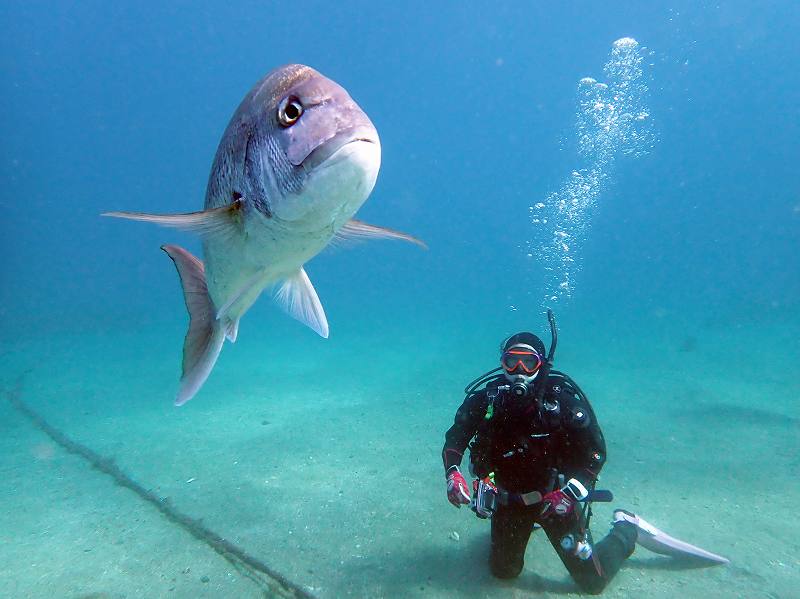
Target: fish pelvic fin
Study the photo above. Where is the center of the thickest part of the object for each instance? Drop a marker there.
(232, 330)
(357, 229)
(300, 300)
(224, 221)
(205, 336)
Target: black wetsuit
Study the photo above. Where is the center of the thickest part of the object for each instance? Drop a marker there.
(527, 447)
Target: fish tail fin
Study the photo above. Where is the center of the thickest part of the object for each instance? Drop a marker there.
(204, 339)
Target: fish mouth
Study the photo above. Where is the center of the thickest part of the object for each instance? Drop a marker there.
(331, 146)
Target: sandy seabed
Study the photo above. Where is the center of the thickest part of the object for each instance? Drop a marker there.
(334, 479)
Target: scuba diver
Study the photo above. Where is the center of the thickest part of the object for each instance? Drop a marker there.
(536, 450)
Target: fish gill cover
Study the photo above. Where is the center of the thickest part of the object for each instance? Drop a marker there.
(612, 120)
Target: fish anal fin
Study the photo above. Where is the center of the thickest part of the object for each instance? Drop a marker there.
(357, 229)
(251, 284)
(205, 336)
(300, 300)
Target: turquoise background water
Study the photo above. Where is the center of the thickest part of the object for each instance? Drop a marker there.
(685, 311)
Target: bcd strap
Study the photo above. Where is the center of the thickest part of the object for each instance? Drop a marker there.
(530, 498)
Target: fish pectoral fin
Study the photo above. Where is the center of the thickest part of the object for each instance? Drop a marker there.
(300, 300)
(356, 229)
(223, 221)
(204, 338)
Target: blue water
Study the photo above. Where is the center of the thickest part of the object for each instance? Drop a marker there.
(123, 109)
(689, 263)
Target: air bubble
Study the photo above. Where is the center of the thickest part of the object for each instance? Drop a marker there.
(625, 43)
(612, 119)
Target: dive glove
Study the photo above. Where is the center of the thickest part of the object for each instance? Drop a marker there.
(557, 502)
(457, 489)
(562, 501)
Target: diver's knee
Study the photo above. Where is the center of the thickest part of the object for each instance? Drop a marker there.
(593, 586)
(504, 570)
(626, 534)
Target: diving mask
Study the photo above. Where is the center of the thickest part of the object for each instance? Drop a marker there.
(521, 364)
(521, 359)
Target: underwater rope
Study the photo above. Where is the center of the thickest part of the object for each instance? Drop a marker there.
(275, 585)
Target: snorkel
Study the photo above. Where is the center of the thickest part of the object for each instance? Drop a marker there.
(548, 363)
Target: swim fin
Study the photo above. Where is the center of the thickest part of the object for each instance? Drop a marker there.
(657, 541)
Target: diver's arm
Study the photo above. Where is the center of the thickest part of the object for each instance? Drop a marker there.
(586, 449)
(465, 426)
(590, 450)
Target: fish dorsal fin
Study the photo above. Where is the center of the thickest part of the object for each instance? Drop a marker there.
(299, 298)
(356, 229)
(223, 221)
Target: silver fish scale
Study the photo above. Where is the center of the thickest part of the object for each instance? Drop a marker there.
(287, 177)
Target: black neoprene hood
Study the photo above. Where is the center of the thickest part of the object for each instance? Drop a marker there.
(526, 338)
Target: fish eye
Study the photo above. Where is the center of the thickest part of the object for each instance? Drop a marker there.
(289, 111)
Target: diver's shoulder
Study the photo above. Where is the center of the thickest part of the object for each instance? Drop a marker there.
(480, 397)
(561, 384)
(557, 377)
(576, 412)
